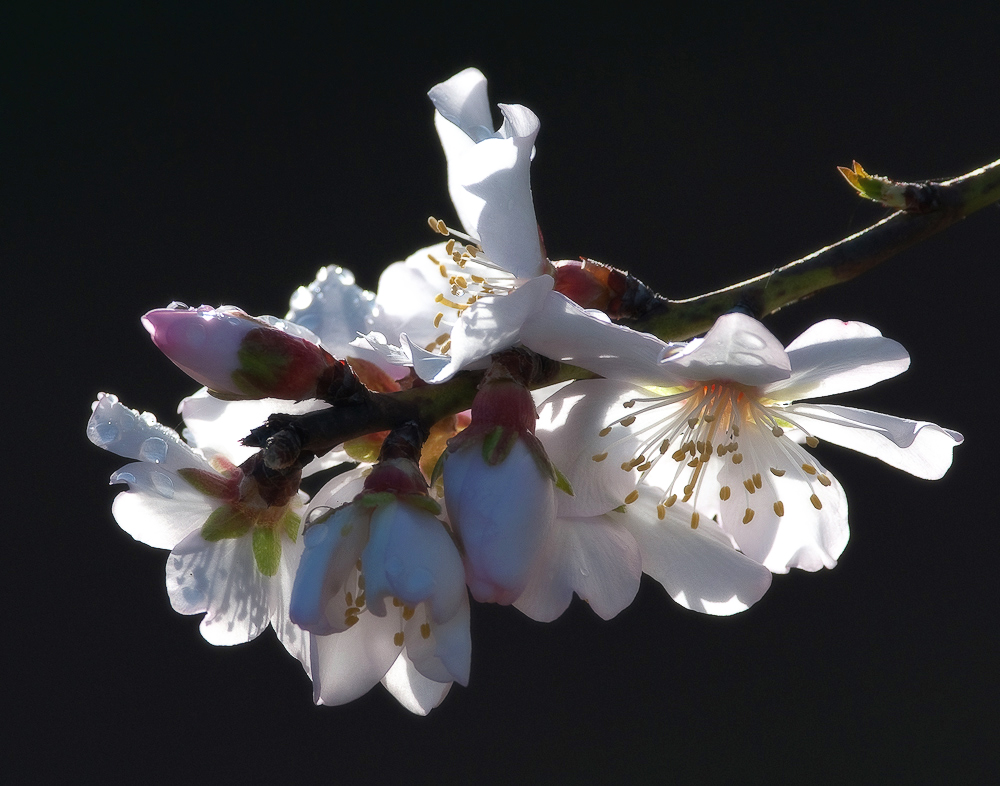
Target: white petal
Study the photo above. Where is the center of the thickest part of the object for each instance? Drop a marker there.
(125, 432)
(489, 325)
(563, 331)
(922, 449)
(347, 665)
(698, 567)
(412, 689)
(464, 103)
(222, 580)
(332, 548)
(802, 537)
(160, 508)
(834, 357)
(334, 308)
(738, 348)
(441, 652)
(502, 514)
(569, 426)
(410, 556)
(217, 426)
(406, 292)
(596, 557)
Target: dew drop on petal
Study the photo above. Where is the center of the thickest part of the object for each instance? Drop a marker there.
(104, 433)
(162, 483)
(153, 450)
(123, 477)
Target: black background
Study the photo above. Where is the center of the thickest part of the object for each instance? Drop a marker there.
(223, 155)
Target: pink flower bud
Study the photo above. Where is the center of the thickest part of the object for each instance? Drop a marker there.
(239, 356)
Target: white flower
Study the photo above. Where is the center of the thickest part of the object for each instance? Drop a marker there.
(382, 589)
(232, 557)
(718, 428)
(597, 550)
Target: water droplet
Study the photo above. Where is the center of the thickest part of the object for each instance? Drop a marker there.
(584, 572)
(162, 483)
(302, 298)
(749, 340)
(154, 450)
(748, 359)
(123, 477)
(104, 434)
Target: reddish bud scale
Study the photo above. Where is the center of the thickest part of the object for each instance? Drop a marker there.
(503, 403)
(591, 284)
(275, 364)
(400, 476)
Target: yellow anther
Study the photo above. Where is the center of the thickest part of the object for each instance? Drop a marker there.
(628, 421)
(670, 500)
(425, 630)
(816, 503)
(777, 431)
(748, 516)
(737, 458)
(471, 250)
(349, 598)
(809, 469)
(398, 639)
(632, 496)
(361, 579)
(352, 611)
(679, 455)
(460, 280)
(812, 441)
(408, 612)
(629, 404)
(700, 445)
(397, 602)
(749, 486)
(599, 457)
(438, 318)
(694, 520)
(664, 446)
(779, 508)
(692, 422)
(360, 600)
(605, 431)
(724, 493)
(694, 463)
(442, 227)
(358, 564)
(736, 431)
(661, 512)
(442, 338)
(456, 257)
(627, 466)
(644, 466)
(777, 472)
(443, 271)
(349, 621)
(449, 247)
(757, 480)
(446, 347)
(709, 418)
(432, 223)
(824, 480)
(476, 279)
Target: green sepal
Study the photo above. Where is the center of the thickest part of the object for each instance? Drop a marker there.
(208, 483)
(498, 444)
(438, 467)
(619, 509)
(290, 524)
(562, 482)
(421, 501)
(373, 499)
(267, 549)
(225, 522)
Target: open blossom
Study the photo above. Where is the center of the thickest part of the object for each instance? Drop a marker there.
(718, 427)
(381, 588)
(456, 303)
(233, 557)
(598, 548)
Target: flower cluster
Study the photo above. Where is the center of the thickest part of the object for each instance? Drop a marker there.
(491, 430)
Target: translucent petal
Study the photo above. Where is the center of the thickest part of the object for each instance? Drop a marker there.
(698, 567)
(125, 432)
(597, 558)
(412, 689)
(347, 665)
(738, 348)
(569, 426)
(220, 579)
(834, 357)
(563, 331)
(160, 508)
(441, 651)
(922, 449)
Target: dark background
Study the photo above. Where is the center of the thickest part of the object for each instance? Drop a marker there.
(222, 156)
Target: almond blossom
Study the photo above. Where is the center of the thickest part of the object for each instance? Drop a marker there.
(232, 556)
(717, 426)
